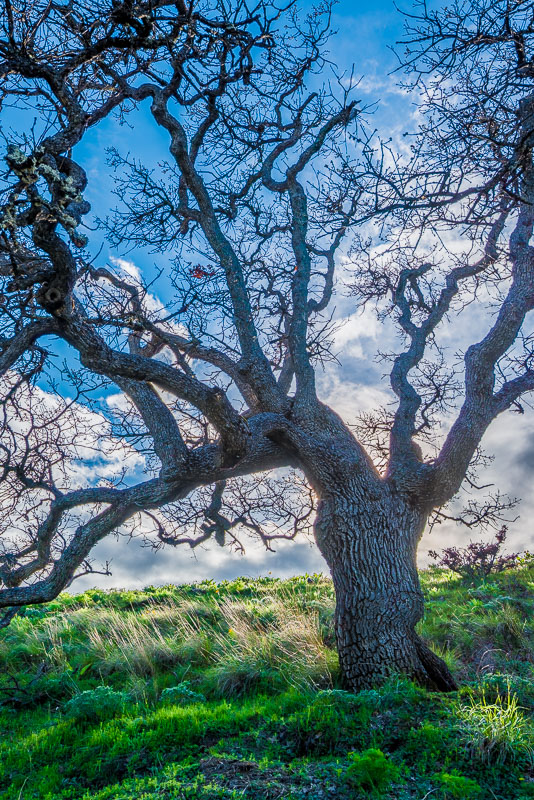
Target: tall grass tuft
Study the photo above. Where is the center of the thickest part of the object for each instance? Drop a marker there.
(288, 652)
(227, 645)
(498, 731)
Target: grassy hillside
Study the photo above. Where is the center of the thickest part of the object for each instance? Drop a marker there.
(232, 690)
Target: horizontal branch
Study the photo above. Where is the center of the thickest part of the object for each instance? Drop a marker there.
(204, 466)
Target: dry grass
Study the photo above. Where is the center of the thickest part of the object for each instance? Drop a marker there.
(239, 643)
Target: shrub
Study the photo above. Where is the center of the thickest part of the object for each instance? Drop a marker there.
(96, 704)
(478, 559)
(371, 771)
(181, 695)
(458, 786)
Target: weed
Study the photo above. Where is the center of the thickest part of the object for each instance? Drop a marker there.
(371, 771)
(457, 786)
(428, 745)
(95, 704)
(181, 694)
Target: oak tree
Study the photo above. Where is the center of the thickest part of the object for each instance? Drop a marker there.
(269, 173)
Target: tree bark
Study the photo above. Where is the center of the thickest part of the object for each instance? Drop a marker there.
(370, 545)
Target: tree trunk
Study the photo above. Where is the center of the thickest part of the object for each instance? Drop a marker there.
(370, 545)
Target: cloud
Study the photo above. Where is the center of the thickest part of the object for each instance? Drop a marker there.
(511, 440)
(52, 436)
(135, 566)
(129, 268)
(152, 305)
(357, 333)
(377, 85)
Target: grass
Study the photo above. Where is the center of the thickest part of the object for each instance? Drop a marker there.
(232, 690)
(499, 732)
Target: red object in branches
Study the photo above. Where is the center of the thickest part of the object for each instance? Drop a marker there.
(199, 272)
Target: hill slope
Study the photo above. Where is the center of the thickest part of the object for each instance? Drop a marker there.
(232, 690)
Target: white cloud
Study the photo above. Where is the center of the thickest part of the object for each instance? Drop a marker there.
(134, 566)
(353, 337)
(128, 267)
(52, 425)
(118, 401)
(511, 440)
(349, 398)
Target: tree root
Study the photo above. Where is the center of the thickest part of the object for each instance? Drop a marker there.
(437, 676)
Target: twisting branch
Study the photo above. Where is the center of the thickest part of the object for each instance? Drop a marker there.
(456, 217)
(403, 429)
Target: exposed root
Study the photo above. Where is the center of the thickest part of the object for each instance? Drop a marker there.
(437, 676)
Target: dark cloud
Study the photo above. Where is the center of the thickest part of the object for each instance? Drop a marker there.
(523, 461)
(134, 566)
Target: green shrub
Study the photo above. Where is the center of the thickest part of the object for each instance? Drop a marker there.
(96, 704)
(457, 786)
(181, 695)
(371, 771)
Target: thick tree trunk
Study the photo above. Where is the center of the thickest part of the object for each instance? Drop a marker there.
(370, 544)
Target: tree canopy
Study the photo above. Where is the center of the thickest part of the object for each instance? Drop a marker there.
(273, 173)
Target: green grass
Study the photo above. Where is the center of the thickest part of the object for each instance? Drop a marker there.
(232, 690)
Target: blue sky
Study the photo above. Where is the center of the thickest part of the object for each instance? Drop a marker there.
(365, 35)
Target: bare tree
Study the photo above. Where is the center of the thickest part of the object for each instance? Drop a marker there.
(263, 182)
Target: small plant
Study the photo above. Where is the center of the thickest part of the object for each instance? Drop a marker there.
(501, 684)
(526, 559)
(181, 695)
(478, 559)
(500, 733)
(458, 786)
(371, 771)
(96, 704)
(427, 745)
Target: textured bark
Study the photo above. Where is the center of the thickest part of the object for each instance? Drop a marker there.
(370, 543)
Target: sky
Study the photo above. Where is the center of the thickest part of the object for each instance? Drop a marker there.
(365, 35)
